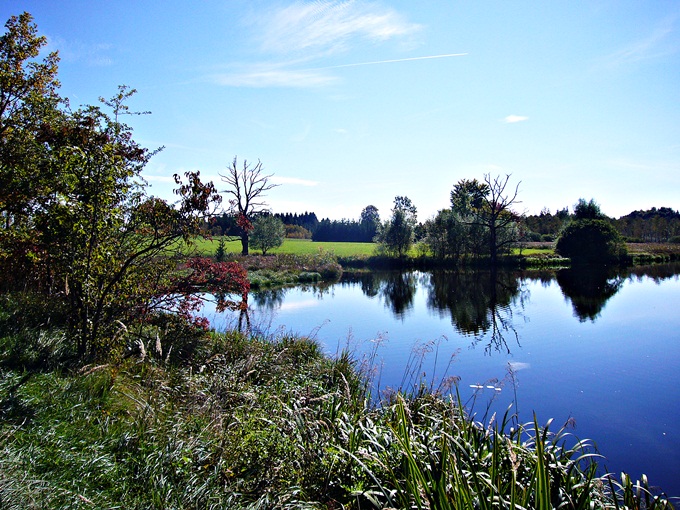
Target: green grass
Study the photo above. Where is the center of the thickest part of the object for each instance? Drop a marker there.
(294, 247)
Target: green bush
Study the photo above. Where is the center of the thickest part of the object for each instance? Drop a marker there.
(591, 241)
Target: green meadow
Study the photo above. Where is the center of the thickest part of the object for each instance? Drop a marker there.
(294, 247)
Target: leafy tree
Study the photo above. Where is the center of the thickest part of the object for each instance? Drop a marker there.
(370, 222)
(396, 235)
(247, 186)
(547, 225)
(268, 232)
(654, 225)
(591, 241)
(29, 104)
(445, 235)
(76, 214)
(587, 210)
(590, 237)
(221, 252)
(488, 206)
(297, 232)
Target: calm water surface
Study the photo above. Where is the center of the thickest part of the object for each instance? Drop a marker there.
(600, 349)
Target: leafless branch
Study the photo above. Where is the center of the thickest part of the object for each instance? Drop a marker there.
(247, 186)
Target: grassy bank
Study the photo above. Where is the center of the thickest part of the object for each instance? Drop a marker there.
(268, 423)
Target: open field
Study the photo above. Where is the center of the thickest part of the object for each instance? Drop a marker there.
(295, 247)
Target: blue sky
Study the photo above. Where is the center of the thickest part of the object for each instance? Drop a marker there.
(351, 103)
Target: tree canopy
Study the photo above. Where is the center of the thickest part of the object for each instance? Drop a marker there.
(77, 225)
(590, 237)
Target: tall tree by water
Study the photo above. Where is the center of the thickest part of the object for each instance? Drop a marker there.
(396, 235)
(591, 237)
(268, 232)
(488, 205)
(246, 186)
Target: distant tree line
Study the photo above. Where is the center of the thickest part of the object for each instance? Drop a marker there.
(652, 226)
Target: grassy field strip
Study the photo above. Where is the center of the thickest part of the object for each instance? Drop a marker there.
(293, 246)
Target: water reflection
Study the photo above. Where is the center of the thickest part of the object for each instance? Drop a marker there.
(481, 303)
(396, 289)
(589, 289)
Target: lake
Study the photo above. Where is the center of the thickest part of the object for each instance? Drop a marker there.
(597, 348)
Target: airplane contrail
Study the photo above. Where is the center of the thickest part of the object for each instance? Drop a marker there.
(389, 61)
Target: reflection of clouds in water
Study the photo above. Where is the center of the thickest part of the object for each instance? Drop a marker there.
(299, 305)
(516, 366)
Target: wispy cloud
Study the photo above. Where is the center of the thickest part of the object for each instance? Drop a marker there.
(277, 179)
(306, 32)
(391, 61)
(274, 75)
(328, 26)
(657, 44)
(511, 119)
(95, 55)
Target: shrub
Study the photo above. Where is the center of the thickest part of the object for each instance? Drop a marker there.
(591, 241)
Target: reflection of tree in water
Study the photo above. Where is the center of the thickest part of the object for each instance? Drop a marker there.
(268, 299)
(589, 288)
(479, 303)
(397, 289)
(656, 272)
(368, 280)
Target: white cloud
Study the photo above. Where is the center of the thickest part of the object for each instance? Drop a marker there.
(277, 179)
(518, 365)
(299, 305)
(305, 32)
(511, 119)
(328, 26)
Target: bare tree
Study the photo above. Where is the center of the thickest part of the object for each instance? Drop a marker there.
(247, 187)
(498, 216)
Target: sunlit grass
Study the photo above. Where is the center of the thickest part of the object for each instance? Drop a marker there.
(293, 246)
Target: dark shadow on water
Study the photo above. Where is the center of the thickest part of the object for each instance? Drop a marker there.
(589, 288)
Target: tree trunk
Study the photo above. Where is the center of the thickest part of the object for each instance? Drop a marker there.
(244, 243)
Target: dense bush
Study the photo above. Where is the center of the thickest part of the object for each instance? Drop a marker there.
(591, 241)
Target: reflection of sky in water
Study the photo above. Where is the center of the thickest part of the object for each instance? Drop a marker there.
(617, 375)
